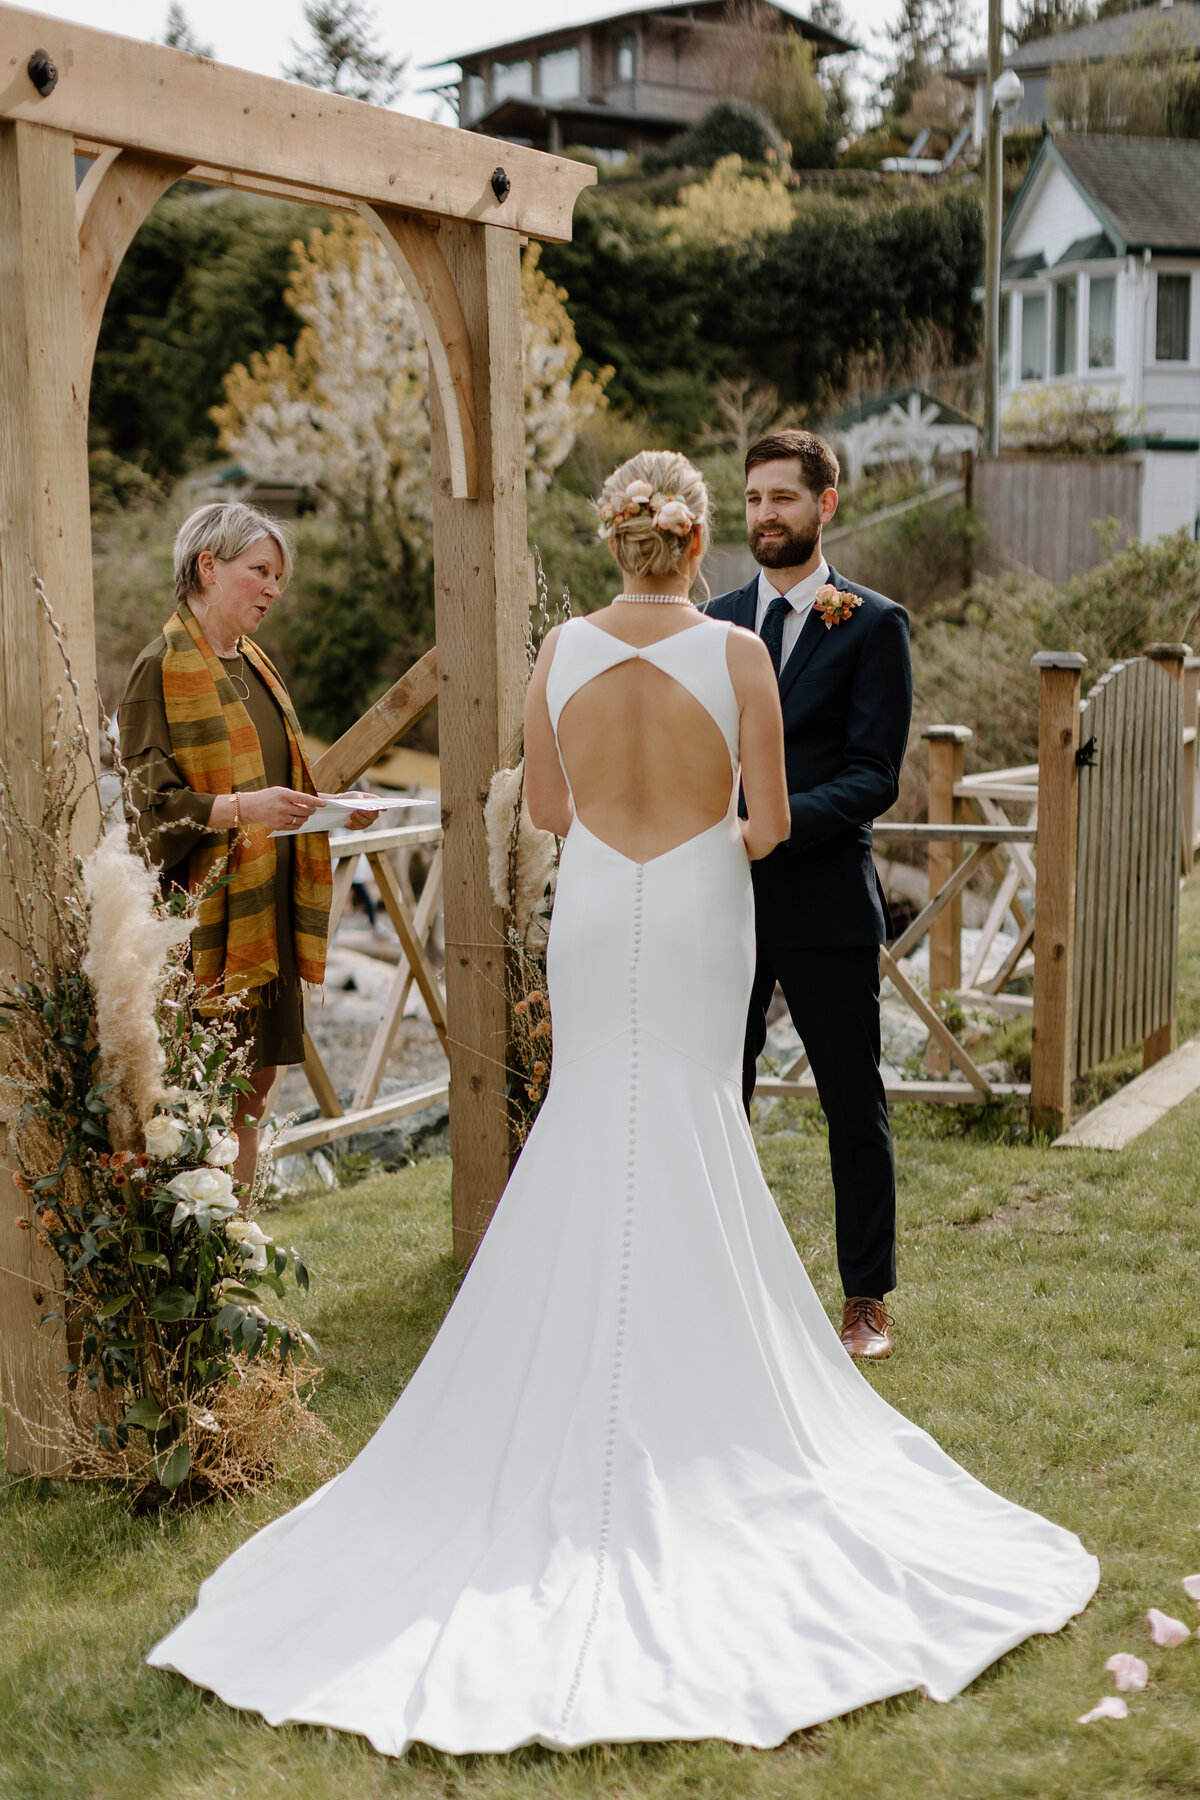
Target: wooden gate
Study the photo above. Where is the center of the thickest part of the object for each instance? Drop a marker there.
(1127, 894)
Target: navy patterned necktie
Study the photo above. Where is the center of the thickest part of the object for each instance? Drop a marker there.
(772, 630)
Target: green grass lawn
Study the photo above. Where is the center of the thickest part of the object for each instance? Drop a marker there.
(1049, 1337)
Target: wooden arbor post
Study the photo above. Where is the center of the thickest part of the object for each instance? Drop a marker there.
(1061, 675)
(482, 601)
(946, 746)
(44, 525)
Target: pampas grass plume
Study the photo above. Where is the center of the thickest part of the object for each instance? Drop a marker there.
(126, 959)
(537, 851)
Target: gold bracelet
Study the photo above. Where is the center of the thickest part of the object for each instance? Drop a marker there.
(237, 812)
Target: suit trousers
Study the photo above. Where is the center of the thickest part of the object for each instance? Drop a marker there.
(832, 994)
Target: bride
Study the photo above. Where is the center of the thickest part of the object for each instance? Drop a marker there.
(636, 1490)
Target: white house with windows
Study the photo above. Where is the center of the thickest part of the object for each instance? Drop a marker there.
(1100, 286)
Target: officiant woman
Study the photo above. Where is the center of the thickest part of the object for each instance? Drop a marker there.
(217, 763)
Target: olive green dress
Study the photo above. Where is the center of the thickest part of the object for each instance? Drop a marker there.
(172, 817)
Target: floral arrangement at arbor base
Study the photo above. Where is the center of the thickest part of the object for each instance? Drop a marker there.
(181, 1370)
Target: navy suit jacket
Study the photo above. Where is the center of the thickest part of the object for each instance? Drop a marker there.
(846, 693)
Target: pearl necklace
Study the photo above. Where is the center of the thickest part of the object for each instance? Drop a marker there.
(655, 599)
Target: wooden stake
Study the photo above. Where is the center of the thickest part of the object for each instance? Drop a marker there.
(481, 590)
(1057, 844)
(44, 525)
(946, 745)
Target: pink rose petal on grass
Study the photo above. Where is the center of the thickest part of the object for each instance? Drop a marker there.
(1191, 1587)
(1166, 1630)
(1111, 1707)
(1128, 1672)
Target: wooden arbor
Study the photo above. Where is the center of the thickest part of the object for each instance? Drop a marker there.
(451, 209)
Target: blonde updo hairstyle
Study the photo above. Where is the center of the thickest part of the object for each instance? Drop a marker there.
(642, 548)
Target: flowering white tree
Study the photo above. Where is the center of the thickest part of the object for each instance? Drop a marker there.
(346, 412)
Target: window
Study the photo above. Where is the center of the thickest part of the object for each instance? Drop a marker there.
(1006, 313)
(1102, 320)
(559, 73)
(511, 81)
(624, 57)
(1065, 315)
(472, 98)
(1171, 334)
(1033, 337)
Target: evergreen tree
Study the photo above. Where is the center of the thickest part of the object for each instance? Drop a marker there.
(1037, 19)
(179, 35)
(344, 56)
(834, 73)
(915, 55)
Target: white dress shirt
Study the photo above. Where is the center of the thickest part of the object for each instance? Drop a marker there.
(799, 598)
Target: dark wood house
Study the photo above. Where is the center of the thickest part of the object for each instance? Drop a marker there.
(624, 83)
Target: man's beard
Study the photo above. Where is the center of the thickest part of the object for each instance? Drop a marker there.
(788, 551)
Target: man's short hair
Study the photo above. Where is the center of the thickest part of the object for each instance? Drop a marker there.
(819, 467)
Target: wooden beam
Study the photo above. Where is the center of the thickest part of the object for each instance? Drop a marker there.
(946, 746)
(115, 90)
(315, 1132)
(481, 590)
(413, 248)
(410, 943)
(393, 1012)
(44, 525)
(394, 713)
(939, 1032)
(113, 199)
(937, 1093)
(945, 896)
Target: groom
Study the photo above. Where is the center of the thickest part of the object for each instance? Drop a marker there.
(845, 684)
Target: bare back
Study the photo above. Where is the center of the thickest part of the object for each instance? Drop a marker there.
(641, 715)
(646, 762)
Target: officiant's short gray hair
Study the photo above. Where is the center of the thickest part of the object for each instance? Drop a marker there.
(224, 528)
(640, 547)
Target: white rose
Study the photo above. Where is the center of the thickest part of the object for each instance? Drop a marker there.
(251, 1240)
(164, 1139)
(204, 1195)
(222, 1151)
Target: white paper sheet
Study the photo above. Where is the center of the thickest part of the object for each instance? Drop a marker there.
(335, 809)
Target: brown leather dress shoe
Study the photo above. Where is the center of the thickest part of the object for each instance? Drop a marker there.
(867, 1329)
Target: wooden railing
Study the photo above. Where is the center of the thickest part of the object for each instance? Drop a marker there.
(1083, 851)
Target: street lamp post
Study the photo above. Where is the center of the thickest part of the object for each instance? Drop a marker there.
(1003, 94)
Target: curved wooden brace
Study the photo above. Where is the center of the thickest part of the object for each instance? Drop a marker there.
(113, 199)
(416, 253)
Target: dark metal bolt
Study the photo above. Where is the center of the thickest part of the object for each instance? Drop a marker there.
(43, 72)
(501, 185)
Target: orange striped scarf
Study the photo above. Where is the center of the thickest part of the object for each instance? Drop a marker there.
(216, 746)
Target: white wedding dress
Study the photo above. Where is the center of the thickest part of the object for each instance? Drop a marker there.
(637, 1489)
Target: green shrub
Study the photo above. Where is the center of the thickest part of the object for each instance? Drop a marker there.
(732, 127)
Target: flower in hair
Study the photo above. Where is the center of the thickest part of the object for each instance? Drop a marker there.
(675, 517)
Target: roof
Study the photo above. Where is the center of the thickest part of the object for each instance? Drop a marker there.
(1142, 28)
(1146, 191)
(687, 10)
(1097, 248)
(882, 403)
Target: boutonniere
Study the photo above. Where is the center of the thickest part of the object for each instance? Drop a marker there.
(834, 604)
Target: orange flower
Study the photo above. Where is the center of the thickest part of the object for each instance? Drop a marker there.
(536, 998)
(539, 1069)
(521, 1007)
(20, 1182)
(119, 1158)
(50, 1221)
(22, 1223)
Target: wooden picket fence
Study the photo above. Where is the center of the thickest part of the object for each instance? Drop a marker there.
(1083, 852)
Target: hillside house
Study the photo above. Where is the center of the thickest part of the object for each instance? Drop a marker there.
(1171, 30)
(624, 83)
(1100, 285)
